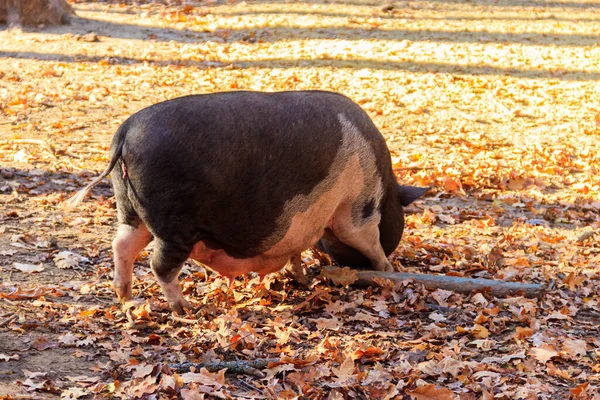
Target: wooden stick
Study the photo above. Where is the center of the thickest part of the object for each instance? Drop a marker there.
(237, 367)
(454, 283)
(186, 321)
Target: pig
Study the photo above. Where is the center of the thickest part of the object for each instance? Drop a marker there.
(245, 181)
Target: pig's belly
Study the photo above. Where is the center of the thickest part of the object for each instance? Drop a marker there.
(292, 244)
(231, 267)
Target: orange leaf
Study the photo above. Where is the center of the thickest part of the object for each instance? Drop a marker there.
(574, 281)
(581, 389)
(88, 313)
(430, 392)
(480, 331)
(370, 354)
(453, 185)
(523, 333)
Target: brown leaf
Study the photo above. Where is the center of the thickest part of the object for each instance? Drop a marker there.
(574, 347)
(345, 371)
(543, 353)
(341, 276)
(42, 343)
(574, 281)
(142, 370)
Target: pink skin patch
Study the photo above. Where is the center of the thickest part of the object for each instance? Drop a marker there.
(230, 267)
(126, 246)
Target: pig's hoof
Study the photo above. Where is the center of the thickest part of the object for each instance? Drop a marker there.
(123, 291)
(180, 306)
(387, 267)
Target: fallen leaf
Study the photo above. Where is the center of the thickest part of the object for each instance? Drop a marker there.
(341, 276)
(543, 353)
(73, 393)
(370, 354)
(345, 371)
(574, 347)
(332, 323)
(430, 392)
(41, 343)
(68, 260)
(5, 357)
(29, 268)
(142, 370)
(205, 377)
(480, 332)
(33, 375)
(523, 333)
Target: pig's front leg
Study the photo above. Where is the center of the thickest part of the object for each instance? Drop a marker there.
(130, 240)
(365, 239)
(167, 260)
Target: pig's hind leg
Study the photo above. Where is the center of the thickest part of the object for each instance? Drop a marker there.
(132, 237)
(128, 243)
(167, 260)
(364, 238)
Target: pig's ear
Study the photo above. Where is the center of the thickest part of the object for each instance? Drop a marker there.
(408, 194)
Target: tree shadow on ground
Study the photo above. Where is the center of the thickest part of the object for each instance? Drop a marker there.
(377, 13)
(272, 34)
(348, 63)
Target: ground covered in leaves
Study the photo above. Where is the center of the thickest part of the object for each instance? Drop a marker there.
(495, 104)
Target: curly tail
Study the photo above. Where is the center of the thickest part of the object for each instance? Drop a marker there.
(116, 149)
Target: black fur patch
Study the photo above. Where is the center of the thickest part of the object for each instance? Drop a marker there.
(222, 166)
(368, 209)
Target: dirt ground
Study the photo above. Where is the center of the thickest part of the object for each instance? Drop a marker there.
(494, 104)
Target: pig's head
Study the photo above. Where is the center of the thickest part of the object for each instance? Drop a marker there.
(391, 227)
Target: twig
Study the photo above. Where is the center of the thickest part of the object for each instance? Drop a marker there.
(42, 143)
(184, 320)
(236, 367)
(8, 320)
(454, 283)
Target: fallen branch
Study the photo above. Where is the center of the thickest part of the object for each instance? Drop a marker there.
(236, 367)
(454, 283)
